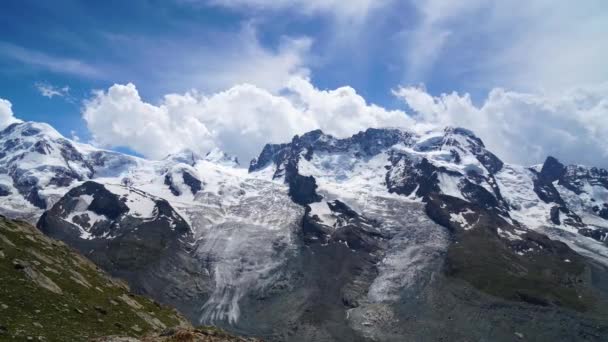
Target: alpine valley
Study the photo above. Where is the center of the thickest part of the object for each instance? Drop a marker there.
(388, 235)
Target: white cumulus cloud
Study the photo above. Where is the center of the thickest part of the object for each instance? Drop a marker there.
(6, 114)
(521, 128)
(525, 128)
(239, 120)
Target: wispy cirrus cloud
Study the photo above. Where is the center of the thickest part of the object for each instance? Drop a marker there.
(210, 62)
(45, 61)
(352, 10)
(527, 45)
(50, 91)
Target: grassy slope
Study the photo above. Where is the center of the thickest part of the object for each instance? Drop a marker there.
(90, 304)
(551, 274)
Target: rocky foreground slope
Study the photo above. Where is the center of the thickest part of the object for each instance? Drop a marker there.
(388, 235)
(49, 292)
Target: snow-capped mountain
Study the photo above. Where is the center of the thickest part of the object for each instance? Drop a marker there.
(386, 235)
(37, 164)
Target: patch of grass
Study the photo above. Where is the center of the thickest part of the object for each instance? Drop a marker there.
(90, 304)
(528, 268)
(536, 278)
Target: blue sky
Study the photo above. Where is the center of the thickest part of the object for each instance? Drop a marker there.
(55, 55)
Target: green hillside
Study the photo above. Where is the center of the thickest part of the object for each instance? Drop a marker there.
(48, 292)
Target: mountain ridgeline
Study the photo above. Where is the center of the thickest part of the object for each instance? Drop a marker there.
(388, 235)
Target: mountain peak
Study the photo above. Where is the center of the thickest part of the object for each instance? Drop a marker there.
(218, 156)
(552, 169)
(29, 129)
(186, 156)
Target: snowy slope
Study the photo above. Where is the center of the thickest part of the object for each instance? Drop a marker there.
(38, 166)
(407, 167)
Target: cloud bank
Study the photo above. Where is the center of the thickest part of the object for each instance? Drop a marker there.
(521, 128)
(525, 128)
(239, 120)
(6, 114)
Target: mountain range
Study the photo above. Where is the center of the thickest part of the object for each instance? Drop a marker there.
(388, 235)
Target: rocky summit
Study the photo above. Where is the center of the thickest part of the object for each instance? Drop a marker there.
(388, 235)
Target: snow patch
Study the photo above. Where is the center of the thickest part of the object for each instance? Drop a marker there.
(508, 235)
(449, 185)
(139, 204)
(323, 212)
(461, 220)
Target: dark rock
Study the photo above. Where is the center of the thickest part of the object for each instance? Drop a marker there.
(18, 265)
(4, 190)
(554, 215)
(490, 161)
(101, 310)
(193, 182)
(543, 184)
(269, 154)
(169, 183)
(531, 299)
(455, 156)
(599, 234)
(42, 147)
(302, 189)
(358, 238)
(104, 202)
(340, 207)
(313, 231)
(480, 196)
(364, 144)
(403, 177)
(603, 213)
(10, 144)
(552, 170)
